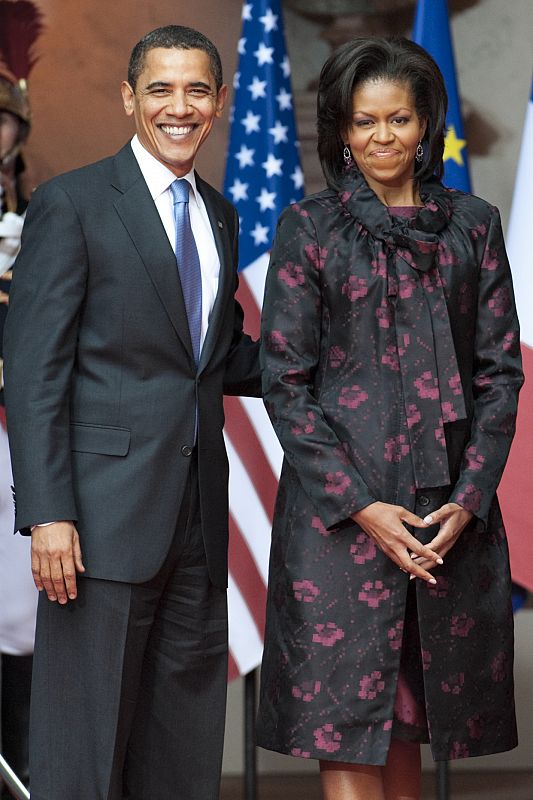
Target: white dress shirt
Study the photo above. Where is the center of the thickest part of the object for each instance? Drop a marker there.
(158, 179)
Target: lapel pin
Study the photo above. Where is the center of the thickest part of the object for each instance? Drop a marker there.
(220, 224)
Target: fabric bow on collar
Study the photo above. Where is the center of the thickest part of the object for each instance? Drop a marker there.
(432, 388)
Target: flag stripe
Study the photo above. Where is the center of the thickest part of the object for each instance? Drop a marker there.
(246, 645)
(248, 511)
(233, 669)
(244, 438)
(245, 573)
(254, 408)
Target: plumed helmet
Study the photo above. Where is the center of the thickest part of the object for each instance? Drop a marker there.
(20, 27)
(13, 97)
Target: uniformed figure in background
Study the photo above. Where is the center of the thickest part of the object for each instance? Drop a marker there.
(18, 597)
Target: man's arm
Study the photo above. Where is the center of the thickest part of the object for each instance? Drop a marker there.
(40, 337)
(243, 373)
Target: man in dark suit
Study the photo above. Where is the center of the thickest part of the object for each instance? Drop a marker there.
(114, 385)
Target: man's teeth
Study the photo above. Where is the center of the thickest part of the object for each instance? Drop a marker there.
(175, 130)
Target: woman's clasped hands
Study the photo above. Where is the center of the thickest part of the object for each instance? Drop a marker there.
(385, 524)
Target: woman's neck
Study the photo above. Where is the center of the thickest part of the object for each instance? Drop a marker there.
(406, 195)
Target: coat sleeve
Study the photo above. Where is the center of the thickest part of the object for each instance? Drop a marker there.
(290, 355)
(49, 279)
(496, 380)
(242, 375)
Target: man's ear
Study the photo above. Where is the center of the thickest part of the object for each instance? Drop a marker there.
(221, 99)
(128, 97)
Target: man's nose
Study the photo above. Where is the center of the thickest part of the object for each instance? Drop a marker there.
(178, 104)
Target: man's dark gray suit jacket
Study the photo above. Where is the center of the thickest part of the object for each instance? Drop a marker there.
(101, 385)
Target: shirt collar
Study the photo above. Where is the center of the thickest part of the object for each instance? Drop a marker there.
(158, 177)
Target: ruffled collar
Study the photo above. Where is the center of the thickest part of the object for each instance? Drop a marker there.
(364, 205)
(432, 390)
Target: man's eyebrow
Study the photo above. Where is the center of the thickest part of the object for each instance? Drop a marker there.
(157, 85)
(167, 84)
(200, 85)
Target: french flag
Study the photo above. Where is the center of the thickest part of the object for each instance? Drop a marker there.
(516, 488)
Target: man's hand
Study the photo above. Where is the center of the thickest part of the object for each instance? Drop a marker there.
(55, 559)
(384, 524)
(453, 520)
(4, 297)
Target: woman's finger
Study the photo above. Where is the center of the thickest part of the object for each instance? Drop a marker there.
(441, 513)
(413, 519)
(426, 551)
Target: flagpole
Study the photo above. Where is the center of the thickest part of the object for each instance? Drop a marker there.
(442, 782)
(250, 752)
(14, 785)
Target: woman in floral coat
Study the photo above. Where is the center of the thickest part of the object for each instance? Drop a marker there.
(391, 374)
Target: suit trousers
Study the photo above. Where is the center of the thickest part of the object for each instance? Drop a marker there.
(129, 682)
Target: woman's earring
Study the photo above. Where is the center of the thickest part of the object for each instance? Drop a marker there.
(419, 155)
(346, 154)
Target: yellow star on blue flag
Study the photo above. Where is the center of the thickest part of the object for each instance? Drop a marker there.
(453, 147)
(432, 31)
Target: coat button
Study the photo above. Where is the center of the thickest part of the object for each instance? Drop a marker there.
(423, 500)
(186, 450)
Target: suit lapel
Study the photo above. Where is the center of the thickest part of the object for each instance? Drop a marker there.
(140, 217)
(221, 234)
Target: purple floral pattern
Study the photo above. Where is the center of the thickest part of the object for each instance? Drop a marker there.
(363, 415)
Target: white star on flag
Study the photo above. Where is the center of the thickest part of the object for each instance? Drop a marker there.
(236, 80)
(270, 21)
(245, 156)
(247, 11)
(279, 132)
(272, 165)
(264, 54)
(298, 177)
(241, 46)
(257, 88)
(284, 99)
(286, 67)
(239, 190)
(260, 233)
(251, 122)
(266, 200)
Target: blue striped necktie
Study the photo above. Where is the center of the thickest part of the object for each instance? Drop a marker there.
(188, 263)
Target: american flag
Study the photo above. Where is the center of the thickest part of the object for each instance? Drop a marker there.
(263, 175)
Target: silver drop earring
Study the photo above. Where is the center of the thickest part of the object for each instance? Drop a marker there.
(419, 154)
(346, 154)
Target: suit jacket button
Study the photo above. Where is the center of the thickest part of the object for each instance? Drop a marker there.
(423, 500)
(186, 450)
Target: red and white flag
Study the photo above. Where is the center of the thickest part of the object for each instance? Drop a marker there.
(516, 488)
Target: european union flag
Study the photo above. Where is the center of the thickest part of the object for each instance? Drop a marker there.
(432, 31)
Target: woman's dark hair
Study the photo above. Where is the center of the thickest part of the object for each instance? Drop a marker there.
(173, 36)
(393, 59)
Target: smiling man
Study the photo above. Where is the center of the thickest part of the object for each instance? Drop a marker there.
(122, 336)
